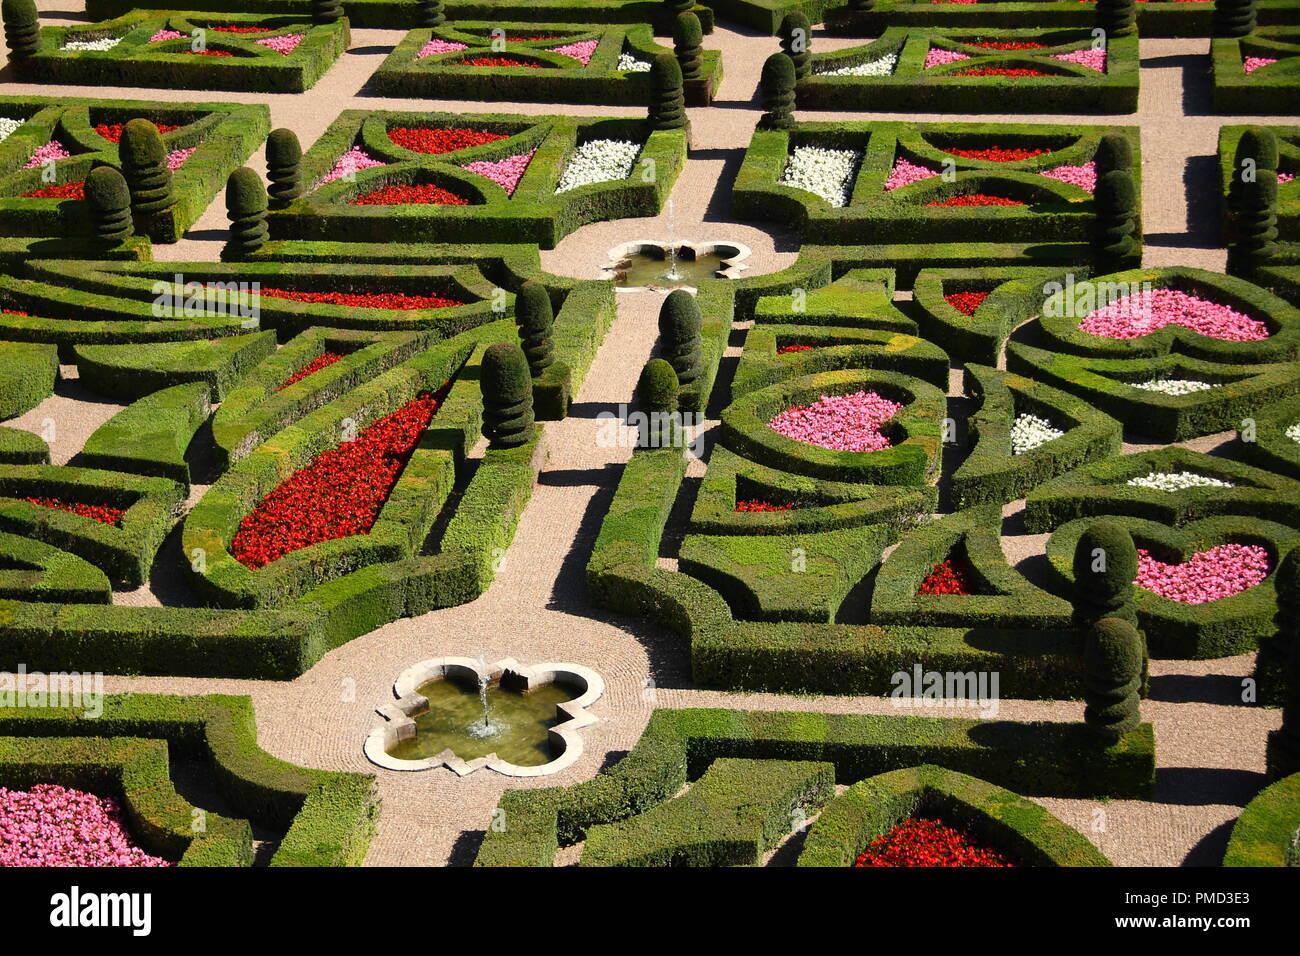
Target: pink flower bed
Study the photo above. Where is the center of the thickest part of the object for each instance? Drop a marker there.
(906, 172)
(53, 150)
(176, 158)
(937, 57)
(51, 825)
(1136, 315)
(506, 173)
(1220, 572)
(1253, 63)
(1092, 59)
(842, 422)
(164, 35)
(283, 45)
(436, 46)
(354, 160)
(580, 51)
(1085, 176)
(1284, 178)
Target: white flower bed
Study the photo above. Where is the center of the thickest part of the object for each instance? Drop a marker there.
(599, 161)
(1293, 433)
(1177, 481)
(627, 63)
(8, 127)
(827, 173)
(1174, 386)
(880, 66)
(105, 43)
(1030, 431)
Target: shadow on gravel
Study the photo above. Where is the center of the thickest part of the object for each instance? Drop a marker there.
(465, 849)
(1210, 848)
(1221, 689)
(1204, 786)
(1200, 178)
(1197, 81)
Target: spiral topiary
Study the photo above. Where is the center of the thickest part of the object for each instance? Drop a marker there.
(1114, 153)
(1112, 674)
(507, 396)
(667, 98)
(1255, 220)
(862, 6)
(1105, 566)
(657, 391)
(144, 164)
(326, 11)
(22, 27)
(1234, 18)
(795, 34)
(1115, 202)
(431, 13)
(1256, 150)
(109, 199)
(687, 39)
(535, 318)
(283, 167)
(679, 6)
(1283, 752)
(679, 334)
(1117, 17)
(776, 90)
(246, 209)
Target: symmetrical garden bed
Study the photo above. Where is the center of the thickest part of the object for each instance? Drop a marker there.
(1258, 73)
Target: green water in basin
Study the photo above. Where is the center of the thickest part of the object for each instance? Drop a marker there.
(641, 269)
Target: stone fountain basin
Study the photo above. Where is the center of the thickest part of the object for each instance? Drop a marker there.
(732, 256)
(564, 738)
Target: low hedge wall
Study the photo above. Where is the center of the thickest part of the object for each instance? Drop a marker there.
(1265, 833)
(21, 447)
(34, 570)
(1272, 88)
(1288, 199)
(150, 437)
(28, 371)
(129, 372)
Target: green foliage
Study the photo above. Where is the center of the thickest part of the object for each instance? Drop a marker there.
(667, 96)
(796, 42)
(22, 27)
(1114, 152)
(246, 206)
(1284, 743)
(109, 199)
(507, 396)
(1105, 564)
(144, 164)
(1117, 17)
(1234, 18)
(776, 90)
(150, 437)
(1116, 201)
(535, 319)
(1113, 656)
(1265, 833)
(431, 13)
(680, 335)
(1256, 220)
(657, 390)
(283, 167)
(28, 371)
(687, 37)
(326, 11)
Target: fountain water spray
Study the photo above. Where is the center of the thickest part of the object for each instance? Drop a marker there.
(672, 275)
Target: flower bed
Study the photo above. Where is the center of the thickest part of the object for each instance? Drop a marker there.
(506, 173)
(1174, 386)
(1293, 432)
(365, 300)
(350, 163)
(51, 825)
(436, 46)
(68, 190)
(841, 422)
(1210, 575)
(324, 360)
(113, 131)
(977, 199)
(924, 842)
(1029, 432)
(599, 161)
(827, 173)
(433, 141)
(966, 302)
(1177, 481)
(629, 63)
(998, 154)
(756, 507)
(8, 127)
(948, 576)
(1140, 314)
(404, 194)
(51, 152)
(494, 61)
(104, 514)
(880, 66)
(787, 349)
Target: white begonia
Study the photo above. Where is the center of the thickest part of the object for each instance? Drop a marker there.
(627, 63)
(1293, 432)
(104, 43)
(827, 173)
(1175, 386)
(599, 161)
(1177, 481)
(1030, 431)
(881, 66)
(8, 127)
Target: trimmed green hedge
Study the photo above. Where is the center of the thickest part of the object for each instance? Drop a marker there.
(34, 570)
(150, 437)
(20, 447)
(27, 375)
(1274, 88)
(132, 371)
(1265, 833)
(1288, 197)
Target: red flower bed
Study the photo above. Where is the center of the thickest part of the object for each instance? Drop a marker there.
(207, 52)
(947, 577)
(104, 514)
(499, 61)
(1002, 71)
(76, 190)
(113, 131)
(966, 302)
(530, 39)
(366, 300)
(233, 29)
(427, 139)
(424, 194)
(340, 493)
(977, 199)
(753, 507)
(998, 154)
(928, 843)
(1009, 45)
(324, 360)
(786, 349)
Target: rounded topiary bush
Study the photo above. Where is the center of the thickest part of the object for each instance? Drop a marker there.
(109, 199)
(795, 34)
(680, 334)
(507, 396)
(326, 11)
(688, 36)
(776, 91)
(246, 208)
(1117, 17)
(679, 6)
(143, 157)
(1234, 18)
(1115, 201)
(22, 27)
(283, 167)
(667, 97)
(1255, 220)
(1112, 675)
(1114, 152)
(1105, 566)
(657, 390)
(535, 318)
(431, 13)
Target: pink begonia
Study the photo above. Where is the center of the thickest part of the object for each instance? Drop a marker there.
(906, 172)
(284, 45)
(1092, 59)
(1283, 178)
(842, 422)
(176, 158)
(1085, 176)
(1220, 572)
(51, 151)
(506, 173)
(51, 825)
(580, 51)
(937, 57)
(1253, 63)
(436, 46)
(163, 35)
(1136, 315)
(354, 160)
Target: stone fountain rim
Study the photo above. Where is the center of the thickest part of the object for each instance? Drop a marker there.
(735, 265)
(565, 736)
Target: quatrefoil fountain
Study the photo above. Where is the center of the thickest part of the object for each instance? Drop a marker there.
(662, 266)
(466, 714)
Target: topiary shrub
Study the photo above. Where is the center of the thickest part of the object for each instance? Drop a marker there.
(862, 6)
(795, 33)
(1115, 201)
(679, 6)
(688, 36)
(144, 164)
(1256, 150)
(22, 27)
(1105, 566)
(1117, 17)
(431, 13)
(657, 391)
(1255, 221)
(1233, 18)
(680, 335)
(667, 98)
(326, 11)
(507, 396)
(535, 319)
(1114, 153)
(246, 207)
(109, 199)
(1112, 674)
(283, 167)
(776, 89)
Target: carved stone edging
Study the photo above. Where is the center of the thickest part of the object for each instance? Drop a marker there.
(565, 739)
(732, 266)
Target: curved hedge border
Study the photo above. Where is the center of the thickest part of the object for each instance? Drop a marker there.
(1265, 833)
(994, 815)
(130, 372)
(834, 350)
(21, 447)
(1274, 88)
(36, 570)
(149, 437)
(1288, 199)
(28, 371)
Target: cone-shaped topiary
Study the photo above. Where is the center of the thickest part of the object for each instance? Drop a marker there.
(687, 37)
(1234, 18)
(1255, 220)
(1105, 566)
(1114, 152)
(326, 11)
(667, 98)
(534, 317)
(144, 164)
(1283, 752)
(246, 208)
(22, 27)
(507, 396)
(1112, 674)
(1117, 17)
(776, 89)
(1256, 150)
(679, 334)
(283, 167)
(796, 42)
(431, 13)
(657, 391)
(109, 199)
(1115, 202)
